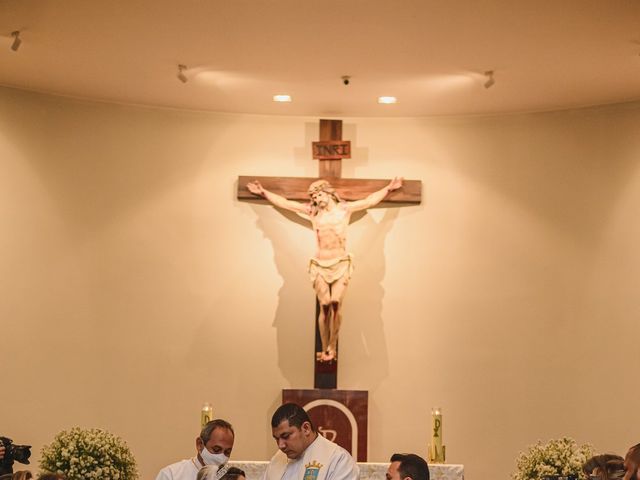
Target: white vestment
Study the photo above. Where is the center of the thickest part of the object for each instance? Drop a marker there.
(322, 460)
(183, 470)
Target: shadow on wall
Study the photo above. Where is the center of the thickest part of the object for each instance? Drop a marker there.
(362, 344)
(364, 348)
(294, 314)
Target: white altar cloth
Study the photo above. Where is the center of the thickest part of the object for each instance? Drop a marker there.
(368, 471)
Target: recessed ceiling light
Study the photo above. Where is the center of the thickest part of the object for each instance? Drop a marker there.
(282, 98)
(387, 100)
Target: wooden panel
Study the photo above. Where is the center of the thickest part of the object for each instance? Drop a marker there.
(330, 130)
(349, 189)
(331, 133)
(331, 420)
(330, 169)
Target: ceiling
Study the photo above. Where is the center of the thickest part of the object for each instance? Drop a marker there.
(430, 54)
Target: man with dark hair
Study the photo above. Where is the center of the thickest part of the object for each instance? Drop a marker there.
(213, 447)
(302, 453)
(406, 466)
(632, 463)
(604, 467)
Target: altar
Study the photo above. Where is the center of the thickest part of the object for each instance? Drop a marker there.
(368, 470)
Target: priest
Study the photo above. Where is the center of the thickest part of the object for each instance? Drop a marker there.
(213, 447)
(303, 454)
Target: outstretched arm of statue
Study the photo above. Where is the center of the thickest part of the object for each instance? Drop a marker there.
(279, 201)
(376, 197)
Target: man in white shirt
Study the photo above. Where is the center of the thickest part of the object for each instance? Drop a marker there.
(304, 454)
(213, 447)
(407, 466)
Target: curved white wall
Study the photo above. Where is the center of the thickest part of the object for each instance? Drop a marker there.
(135, 287)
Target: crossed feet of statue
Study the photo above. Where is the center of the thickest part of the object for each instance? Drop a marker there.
(326, 356)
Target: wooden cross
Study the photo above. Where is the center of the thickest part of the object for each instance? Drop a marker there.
(330, 151)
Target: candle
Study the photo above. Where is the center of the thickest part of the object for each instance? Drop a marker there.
(206, 414)
(436, 449)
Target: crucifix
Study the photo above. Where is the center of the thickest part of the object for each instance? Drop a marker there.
(328, 203)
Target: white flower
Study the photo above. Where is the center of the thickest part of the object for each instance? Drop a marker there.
(89, 453)
(557, 457)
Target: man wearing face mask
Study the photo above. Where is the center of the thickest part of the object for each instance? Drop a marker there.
(213, 447)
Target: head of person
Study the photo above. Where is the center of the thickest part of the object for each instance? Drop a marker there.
(292, 430)
(604, 467)
(215, 443)
(234, 473)
(22, 475)
(632, 463)
(320, 192)
(51, 476)
(407, 466)
(212, 472)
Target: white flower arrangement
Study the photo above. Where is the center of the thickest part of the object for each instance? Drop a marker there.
(562, 457)
(89, 454)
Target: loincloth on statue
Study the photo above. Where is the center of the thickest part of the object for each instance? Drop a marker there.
(331, 269)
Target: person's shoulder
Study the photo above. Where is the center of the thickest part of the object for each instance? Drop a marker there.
(176, 470)
(332, 446)
(347, 207)
(342, 452)
(342, 465)
(339, 452)
(278, 457)
(179, 463)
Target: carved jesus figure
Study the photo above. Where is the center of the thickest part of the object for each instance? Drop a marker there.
(331, 267)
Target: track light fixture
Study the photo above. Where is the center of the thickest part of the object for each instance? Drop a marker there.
(490, 80)
(181, 76)
(16, 40)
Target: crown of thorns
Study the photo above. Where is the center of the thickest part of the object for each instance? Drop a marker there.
(321, 186)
